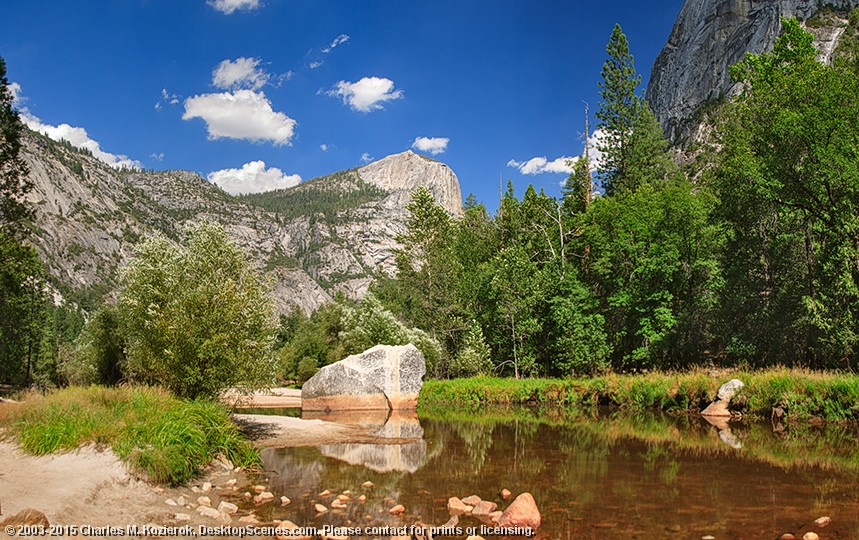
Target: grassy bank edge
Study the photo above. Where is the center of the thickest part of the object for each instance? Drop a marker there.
(167, 439)
(801, 394)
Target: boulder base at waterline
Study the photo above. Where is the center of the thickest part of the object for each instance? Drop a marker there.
(384, 377)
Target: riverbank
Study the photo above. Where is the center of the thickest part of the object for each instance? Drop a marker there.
(792, 393)
(136, 456)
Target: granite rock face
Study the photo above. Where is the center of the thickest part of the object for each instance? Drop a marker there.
(385, 377)
(88, 216)
(708, 37)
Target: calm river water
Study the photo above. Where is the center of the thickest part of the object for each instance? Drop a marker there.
(611, 475)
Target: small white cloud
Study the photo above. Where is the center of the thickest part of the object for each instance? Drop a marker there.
(315, 64)
(366, 95)
(157, 157)
(243, 114)
(323, 147)
(432, 145)
(366, 158)
(253, 177)
(339, 40)
(230, 6)
(563, 164)
(240, 73)
(167, 97)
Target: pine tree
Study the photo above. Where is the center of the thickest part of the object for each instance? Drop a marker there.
(13, 171)
(634, 151)
(618, 111)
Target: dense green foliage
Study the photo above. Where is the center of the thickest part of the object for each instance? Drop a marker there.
(789, 182)
(341, 328)
(168, 439)
(22, 309)
(23, 301)
(752, 262)
(197, 317)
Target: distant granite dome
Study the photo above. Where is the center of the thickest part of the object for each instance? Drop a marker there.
(408, 171)
(708, 37)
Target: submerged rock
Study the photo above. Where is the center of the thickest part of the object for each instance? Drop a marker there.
(822, 521)
(522, 512)
(455, 507)
(384, 377)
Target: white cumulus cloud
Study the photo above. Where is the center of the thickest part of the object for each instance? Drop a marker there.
(366, 158)
(541, 164)
(253, 177)
(240, 73)
(157, 157)
(432, 145)
(563, 164)
(366, 95)
(76, 136)
(244, 114)
(17, 97)
(230, 6)
(323, 147)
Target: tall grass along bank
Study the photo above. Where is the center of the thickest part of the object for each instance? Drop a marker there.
(152, 431)
(800, 394)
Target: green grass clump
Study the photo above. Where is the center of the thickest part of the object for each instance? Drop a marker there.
(801, 394)
(166, 438)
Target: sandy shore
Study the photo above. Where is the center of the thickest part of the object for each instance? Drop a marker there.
(92, 487)
(271, 398)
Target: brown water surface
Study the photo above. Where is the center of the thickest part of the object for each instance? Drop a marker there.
(613, 475)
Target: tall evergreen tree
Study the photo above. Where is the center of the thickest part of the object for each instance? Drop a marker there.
(634, 151)
(13, 171)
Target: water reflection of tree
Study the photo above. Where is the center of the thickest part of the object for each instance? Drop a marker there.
(477, 437)
(586, 464)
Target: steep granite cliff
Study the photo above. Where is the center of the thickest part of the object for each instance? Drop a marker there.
(326, 235)
(709, 36)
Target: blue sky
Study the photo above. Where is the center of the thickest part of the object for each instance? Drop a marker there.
(311, 87)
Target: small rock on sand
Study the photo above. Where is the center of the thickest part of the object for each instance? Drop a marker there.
(822, 521)
(182, 517)
(206, 487)
(810, 536)
(204, 501)
(367, 484)
(227, 507)
(397, 510)
(170, 502)
(505, 494)
(264, 497)
(320, 508)
(284, 500)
